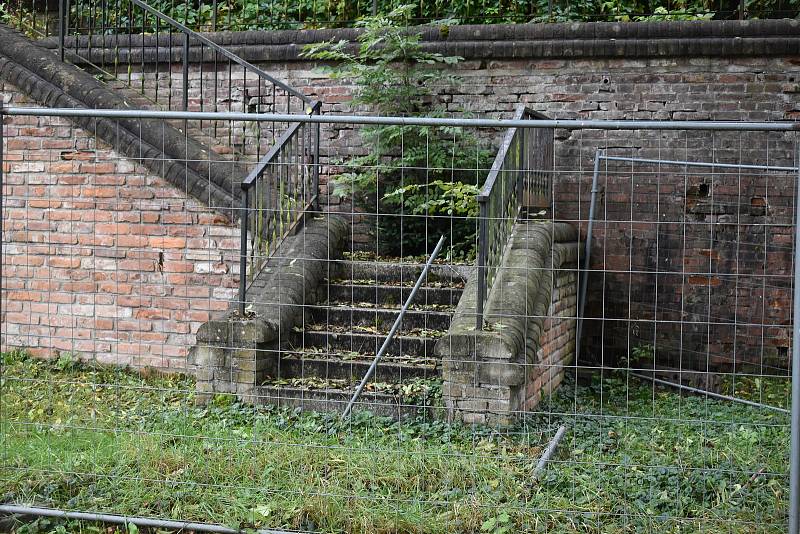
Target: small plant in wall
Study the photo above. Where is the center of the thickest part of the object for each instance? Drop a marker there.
(421, 181)
(639, 356)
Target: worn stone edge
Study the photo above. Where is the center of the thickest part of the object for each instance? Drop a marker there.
(38, 73)
(512, 318)
(777, 37)
(276, 297)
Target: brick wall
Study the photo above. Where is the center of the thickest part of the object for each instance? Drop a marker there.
(101, 258)
(557, 340)
(700, 298)
(697, 265)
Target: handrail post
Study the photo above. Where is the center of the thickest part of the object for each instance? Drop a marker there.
(243, 219)
(316, 110)
(482, 255)
(394, 329)
(185, 79)
(63, 6)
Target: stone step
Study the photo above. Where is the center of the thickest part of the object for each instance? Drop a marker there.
(369, 343)
(380, 318)
(351, 367)
(335, 400)
(385, 295)
(398, 273)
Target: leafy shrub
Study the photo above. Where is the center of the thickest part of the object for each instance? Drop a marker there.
(235, 15)
(422, 181)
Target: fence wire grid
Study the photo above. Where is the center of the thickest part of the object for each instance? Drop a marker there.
(626, 367)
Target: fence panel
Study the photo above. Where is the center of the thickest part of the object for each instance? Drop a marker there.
(132, 385)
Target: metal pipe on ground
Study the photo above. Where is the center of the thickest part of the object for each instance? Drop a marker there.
(549, 451)
(125, 520)
(394, 329)
(709, 393)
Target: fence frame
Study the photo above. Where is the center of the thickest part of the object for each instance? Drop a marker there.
(794, 477)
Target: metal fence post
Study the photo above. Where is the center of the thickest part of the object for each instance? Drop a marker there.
(243, 219)
(794, 459)
(583, 277)
(2, 201)
(482, 254)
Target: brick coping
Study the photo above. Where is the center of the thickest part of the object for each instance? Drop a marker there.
(780, 37)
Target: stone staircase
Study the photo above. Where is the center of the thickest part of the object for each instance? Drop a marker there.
(322, 360)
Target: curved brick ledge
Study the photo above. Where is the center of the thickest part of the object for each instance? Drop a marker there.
(162, 148)
(492, 374)
(498, 41)
(233, 355)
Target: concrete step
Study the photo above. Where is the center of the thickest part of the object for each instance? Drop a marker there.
(399, 273)
(378, 318)
(385, 295)
(334, 400)
(412, 346)
(351, 367)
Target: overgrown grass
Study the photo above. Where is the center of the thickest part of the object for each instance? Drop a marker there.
(635, 459)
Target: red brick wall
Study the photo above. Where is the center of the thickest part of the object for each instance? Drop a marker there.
(663, 301)
(101, 258)
(557, 340)
(697, 265)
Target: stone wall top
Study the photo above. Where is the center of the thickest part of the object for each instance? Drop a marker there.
(514, 41)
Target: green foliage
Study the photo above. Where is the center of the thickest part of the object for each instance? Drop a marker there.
(637, 458)
(236, 15)
(429, 173)
(66, 361)
(640, 355)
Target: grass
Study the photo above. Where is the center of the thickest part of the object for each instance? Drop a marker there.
(635, 459)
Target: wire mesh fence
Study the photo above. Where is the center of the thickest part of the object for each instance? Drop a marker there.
(134, 384)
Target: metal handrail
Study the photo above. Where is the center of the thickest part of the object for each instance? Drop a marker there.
(311, 200)
(393, 331)
(522, 113)
(63, 27)
(307, 195)
(214, 46)
(515, 156)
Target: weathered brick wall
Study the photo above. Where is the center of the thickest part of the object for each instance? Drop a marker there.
(101, 258)
(700, 298)
(696, 264)
(557, 340)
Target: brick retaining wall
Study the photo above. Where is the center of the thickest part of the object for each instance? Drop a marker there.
(673, 70)
(101, 258)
